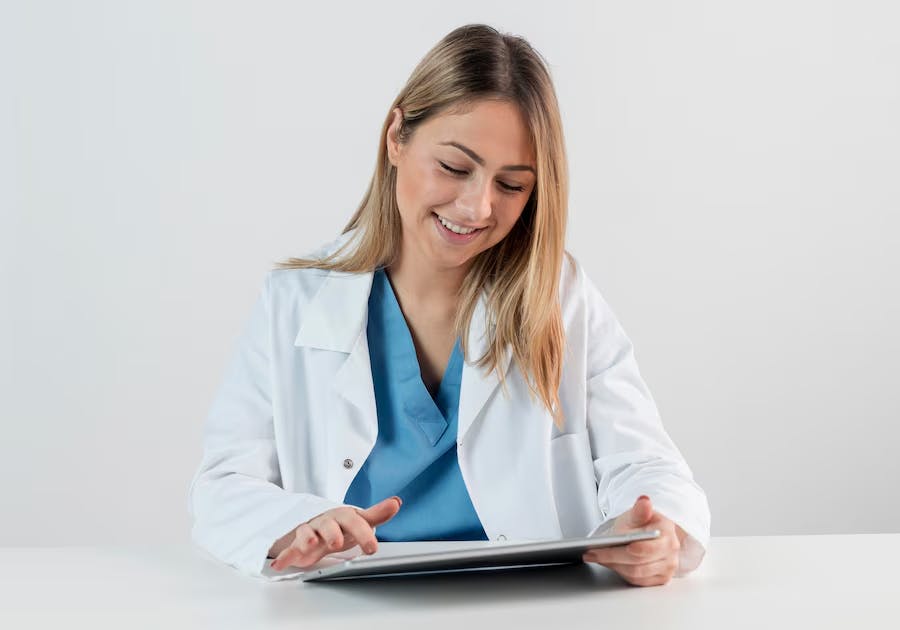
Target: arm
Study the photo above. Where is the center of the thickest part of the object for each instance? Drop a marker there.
(239, 508)
(633, 454)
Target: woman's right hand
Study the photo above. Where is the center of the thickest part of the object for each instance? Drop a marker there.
(335, 530)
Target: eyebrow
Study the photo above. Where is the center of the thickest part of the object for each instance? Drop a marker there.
(480, 160)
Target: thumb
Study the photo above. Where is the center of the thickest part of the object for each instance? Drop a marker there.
(382, 512)
(640, 513)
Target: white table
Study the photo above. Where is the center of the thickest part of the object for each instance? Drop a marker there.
(848, 582)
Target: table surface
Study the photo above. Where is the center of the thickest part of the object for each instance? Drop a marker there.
(821, 581)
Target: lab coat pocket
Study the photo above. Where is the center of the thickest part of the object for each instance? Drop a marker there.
(574, 484)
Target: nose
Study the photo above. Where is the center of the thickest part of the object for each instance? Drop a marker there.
(474, 202)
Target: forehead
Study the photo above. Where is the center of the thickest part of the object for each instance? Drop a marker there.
(495, 130)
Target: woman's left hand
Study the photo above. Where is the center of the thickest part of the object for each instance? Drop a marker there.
(643, 562)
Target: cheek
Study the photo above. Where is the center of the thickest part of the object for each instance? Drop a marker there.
(406, 190)
(419, 189)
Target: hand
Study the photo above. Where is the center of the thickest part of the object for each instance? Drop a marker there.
(643, 562)
(335, 530)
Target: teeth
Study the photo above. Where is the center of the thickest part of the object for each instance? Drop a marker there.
(453, 227)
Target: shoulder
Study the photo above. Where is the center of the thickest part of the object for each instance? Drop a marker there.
(579, 295)
(570, 281)
(294, 283)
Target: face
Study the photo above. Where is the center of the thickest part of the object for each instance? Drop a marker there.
(462, 182)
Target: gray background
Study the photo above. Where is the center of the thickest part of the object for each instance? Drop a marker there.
(734, 196)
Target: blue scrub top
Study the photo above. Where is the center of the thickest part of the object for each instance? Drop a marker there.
(414, 456)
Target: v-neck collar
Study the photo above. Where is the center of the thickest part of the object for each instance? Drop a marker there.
(433, 415)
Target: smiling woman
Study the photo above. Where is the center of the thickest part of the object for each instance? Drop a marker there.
(471, 183)
(367, 376)
(472, 203)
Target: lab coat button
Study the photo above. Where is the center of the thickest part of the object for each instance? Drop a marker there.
(348, 463)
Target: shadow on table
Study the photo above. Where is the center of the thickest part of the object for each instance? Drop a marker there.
(508, 587)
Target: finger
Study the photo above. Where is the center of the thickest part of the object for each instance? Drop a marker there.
(665, 544)
(641, 512)
(357, 528)
(307, 538)
(382, 511)
(286, 558)
(660, 568)
(293, 556)
(626, 554)
(306, 541)
(330, 532)
(656, 580)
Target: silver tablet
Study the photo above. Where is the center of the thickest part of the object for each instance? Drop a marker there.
(500, 555)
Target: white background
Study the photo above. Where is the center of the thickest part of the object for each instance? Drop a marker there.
(735, 192)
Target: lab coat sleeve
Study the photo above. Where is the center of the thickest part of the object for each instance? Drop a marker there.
(236, 500)
(633, 454)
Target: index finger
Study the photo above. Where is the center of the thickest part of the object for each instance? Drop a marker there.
(359, 528)
(381, 512)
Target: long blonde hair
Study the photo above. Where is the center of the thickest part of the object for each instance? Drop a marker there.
(521, 273)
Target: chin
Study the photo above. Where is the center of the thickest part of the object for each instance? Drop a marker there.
(448, 262)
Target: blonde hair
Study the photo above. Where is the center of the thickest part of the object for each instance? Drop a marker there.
(520, 274)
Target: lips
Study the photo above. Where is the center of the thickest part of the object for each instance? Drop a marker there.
(452, 237)
(444, 221)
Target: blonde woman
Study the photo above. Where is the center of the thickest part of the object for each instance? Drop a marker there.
(445, 370)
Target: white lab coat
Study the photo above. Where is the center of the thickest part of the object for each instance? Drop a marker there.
(294, 420)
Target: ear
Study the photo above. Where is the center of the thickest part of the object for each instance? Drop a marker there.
(393, 146)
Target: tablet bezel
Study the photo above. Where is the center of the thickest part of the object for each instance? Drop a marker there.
(503, 555)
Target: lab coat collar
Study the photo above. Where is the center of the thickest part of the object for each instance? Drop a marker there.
(335, 320)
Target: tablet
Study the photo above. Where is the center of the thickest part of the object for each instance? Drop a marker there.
(493, 556)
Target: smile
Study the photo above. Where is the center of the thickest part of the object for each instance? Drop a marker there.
(453, 233)
(454, 227)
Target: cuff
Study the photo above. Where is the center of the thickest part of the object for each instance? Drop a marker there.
(689, 510)
(695, 543)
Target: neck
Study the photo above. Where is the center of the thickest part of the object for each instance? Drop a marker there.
(423, 284)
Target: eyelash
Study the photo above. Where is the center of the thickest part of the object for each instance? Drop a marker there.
(453, 171)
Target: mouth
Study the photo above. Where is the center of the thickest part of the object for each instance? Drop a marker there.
(454, 237)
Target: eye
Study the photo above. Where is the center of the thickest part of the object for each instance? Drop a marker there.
(452, 170)
(506, 187)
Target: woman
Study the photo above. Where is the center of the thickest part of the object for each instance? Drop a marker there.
(445, 354)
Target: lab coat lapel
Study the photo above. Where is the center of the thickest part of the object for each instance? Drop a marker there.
(477, 387)
(335, 320)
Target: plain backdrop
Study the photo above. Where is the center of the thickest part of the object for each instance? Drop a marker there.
(734, 195)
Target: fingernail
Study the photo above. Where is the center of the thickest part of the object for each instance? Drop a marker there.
(399, 500)
(643, 496)
(272, 564)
